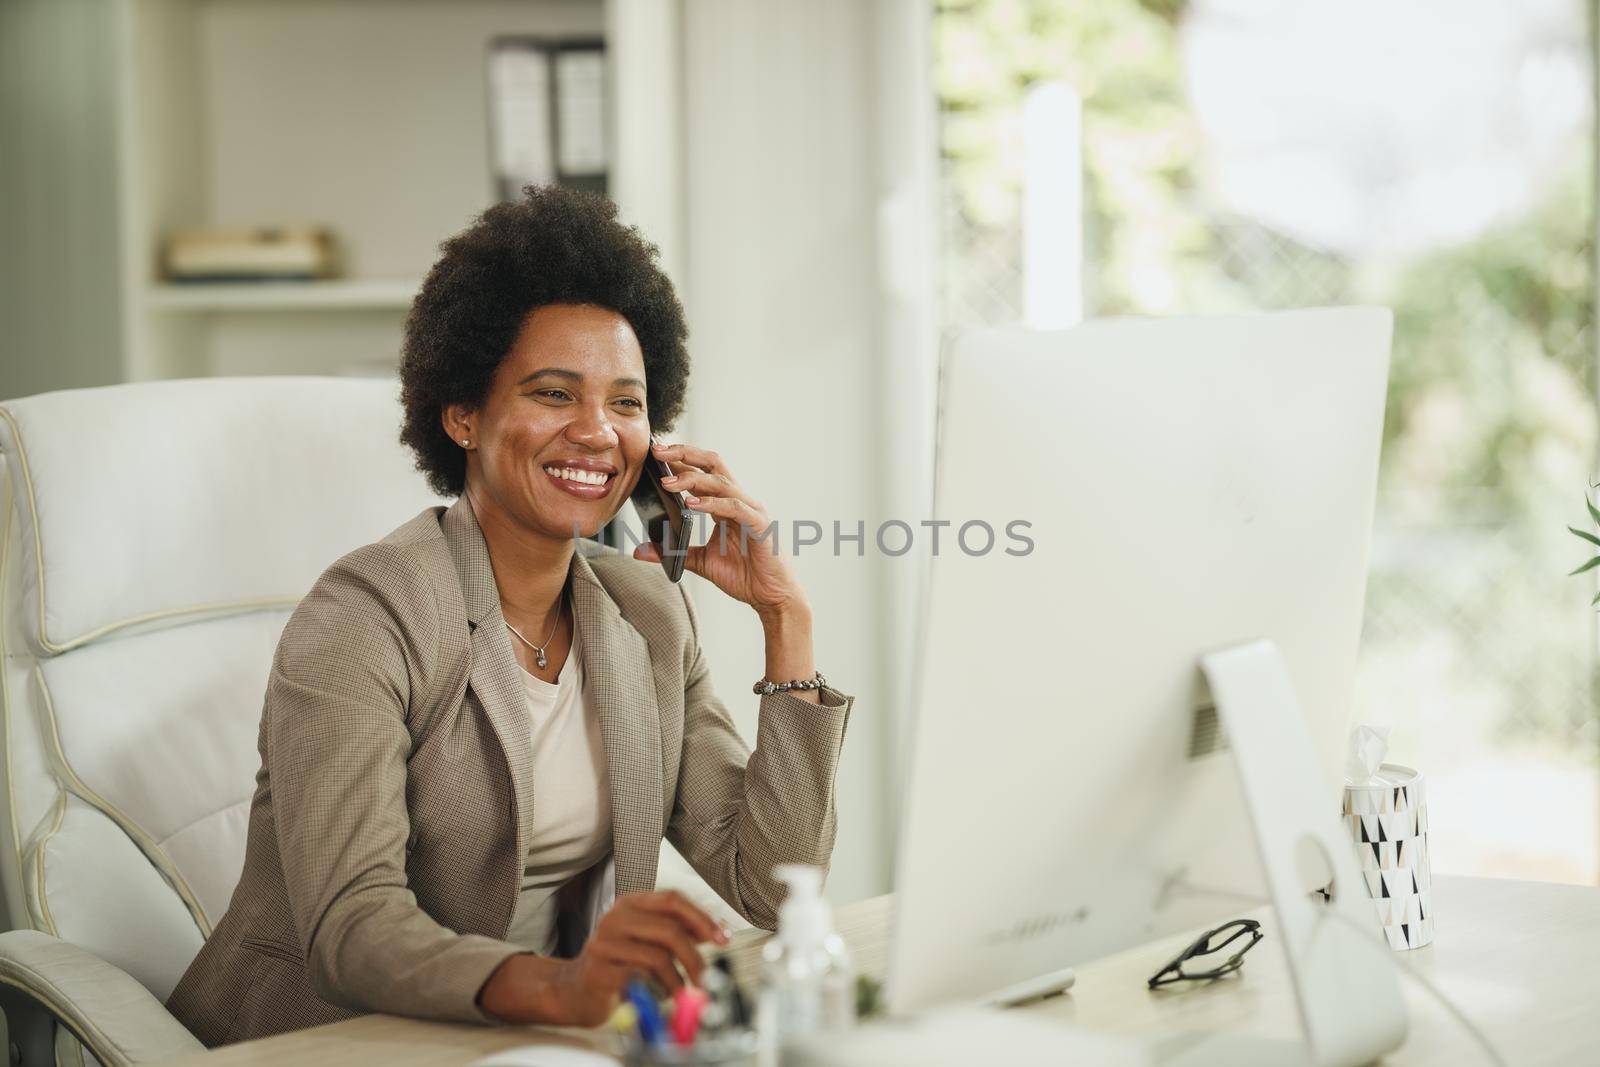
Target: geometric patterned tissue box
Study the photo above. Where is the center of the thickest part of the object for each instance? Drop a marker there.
(1389, 824)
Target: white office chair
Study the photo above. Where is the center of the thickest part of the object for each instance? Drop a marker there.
(156, 538)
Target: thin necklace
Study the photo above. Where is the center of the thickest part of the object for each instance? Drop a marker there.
(538, 650)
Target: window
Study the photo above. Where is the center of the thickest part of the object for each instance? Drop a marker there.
(1435, 157)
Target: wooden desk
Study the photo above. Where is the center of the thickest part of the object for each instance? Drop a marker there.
(1520, 958)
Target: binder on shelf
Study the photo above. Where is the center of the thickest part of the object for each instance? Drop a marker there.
(548, 115)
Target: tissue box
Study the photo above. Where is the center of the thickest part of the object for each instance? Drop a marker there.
(1388, 821)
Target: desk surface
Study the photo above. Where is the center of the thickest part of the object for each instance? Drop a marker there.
(1519, 958)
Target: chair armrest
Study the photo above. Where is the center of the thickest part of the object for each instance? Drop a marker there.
(115, 1017)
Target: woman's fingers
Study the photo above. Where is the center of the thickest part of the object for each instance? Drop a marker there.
(734, 509)
(639, 957)
(704, 483)
(651, 935)
(694, 558)
(703, 458)
(657, 933)
(687, 460)
(669, 934)
(710, 481)
(700, 926)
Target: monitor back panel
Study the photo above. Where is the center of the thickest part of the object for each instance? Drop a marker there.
(1187, 484)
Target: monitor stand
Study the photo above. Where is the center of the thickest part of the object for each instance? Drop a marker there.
(1346, 984)
(1041, 988)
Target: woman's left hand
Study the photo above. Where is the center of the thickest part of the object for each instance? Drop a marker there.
(741, 566)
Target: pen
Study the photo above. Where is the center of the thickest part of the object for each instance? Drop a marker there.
(625, 1019)
(649, 1014)
(687, 1004)
(718, 1014)
(737, 1009)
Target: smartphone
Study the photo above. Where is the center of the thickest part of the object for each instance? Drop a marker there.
(666, 520)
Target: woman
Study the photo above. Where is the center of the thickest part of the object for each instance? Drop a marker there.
(475, 737)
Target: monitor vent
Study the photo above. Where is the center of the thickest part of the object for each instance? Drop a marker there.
(1206, 736)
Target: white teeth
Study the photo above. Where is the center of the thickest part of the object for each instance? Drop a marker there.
(572, 474)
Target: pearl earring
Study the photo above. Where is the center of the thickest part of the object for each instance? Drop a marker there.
(465, 442)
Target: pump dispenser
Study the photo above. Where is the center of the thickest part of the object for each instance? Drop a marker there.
(808, 981)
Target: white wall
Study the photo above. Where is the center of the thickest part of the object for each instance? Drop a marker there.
(791, 381)
(373, 123)
(59, 298)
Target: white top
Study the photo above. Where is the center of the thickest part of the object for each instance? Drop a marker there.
(571, 799)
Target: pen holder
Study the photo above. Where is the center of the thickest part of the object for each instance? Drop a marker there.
(732, 1048)
(1389, 823)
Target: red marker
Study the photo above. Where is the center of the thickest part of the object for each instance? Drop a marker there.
(687, 1004)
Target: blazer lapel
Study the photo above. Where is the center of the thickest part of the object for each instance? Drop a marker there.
(495, 676)
(620, 685)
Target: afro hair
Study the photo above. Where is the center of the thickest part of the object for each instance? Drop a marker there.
(557, 245)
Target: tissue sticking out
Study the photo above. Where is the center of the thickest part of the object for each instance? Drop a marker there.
(1368, 746)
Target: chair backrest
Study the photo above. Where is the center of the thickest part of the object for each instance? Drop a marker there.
(156, 537)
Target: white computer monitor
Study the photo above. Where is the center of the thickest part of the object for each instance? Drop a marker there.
(1189, 485)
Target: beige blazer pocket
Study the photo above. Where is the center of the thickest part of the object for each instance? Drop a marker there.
(274, 949)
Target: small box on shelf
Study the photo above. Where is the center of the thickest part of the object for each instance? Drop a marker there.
(255, 254)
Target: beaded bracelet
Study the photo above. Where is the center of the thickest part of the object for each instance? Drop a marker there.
(766, 688)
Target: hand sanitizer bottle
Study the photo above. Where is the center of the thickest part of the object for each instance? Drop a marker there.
(808, 981)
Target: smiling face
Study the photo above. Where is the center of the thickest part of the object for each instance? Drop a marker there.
(560, 441)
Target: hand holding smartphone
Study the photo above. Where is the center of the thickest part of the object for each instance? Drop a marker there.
(665, 518)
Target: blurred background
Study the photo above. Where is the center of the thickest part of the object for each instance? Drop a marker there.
(249, 187)
(1433, 156)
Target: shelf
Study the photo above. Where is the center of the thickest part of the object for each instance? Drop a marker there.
(238, 114)
(345, 294)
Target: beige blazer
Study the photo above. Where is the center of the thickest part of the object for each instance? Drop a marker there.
(394, 805)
